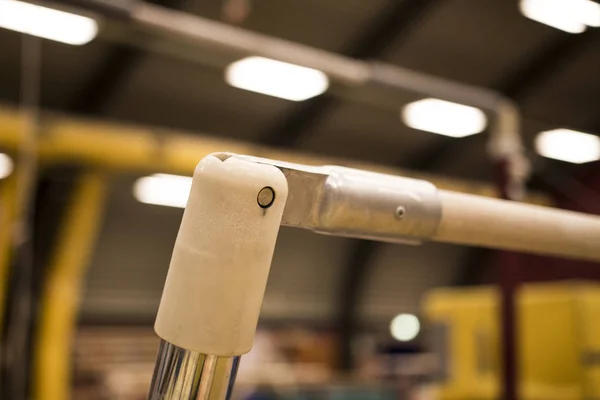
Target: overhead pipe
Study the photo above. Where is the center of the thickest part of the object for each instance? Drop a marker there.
(216, 37)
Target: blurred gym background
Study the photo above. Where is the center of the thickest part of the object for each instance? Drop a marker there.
(103, 119)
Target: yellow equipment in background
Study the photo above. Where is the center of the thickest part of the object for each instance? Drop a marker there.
(8, 211)
(558, 341)
(61, 293)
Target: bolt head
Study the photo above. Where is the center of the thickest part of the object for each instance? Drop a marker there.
(400, 211)
(266, 197)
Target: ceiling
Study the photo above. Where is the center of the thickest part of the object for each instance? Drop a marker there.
(549, 73)
(552, 76)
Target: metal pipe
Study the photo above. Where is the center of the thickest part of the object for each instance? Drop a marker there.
(218, 36)
(8, 208)
(505, 139)
(242, 42)
(347, 202)
(508, 225)
(181, 374)
(505, 142)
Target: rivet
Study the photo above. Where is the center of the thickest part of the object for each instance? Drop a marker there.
(266, 197)
(400, 211)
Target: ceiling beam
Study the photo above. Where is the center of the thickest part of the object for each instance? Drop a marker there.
(114, 72)
(103, 86)
(545, 63)
(392, 24)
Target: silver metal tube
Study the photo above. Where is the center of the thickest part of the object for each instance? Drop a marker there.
(505, 141)
(347, 202)
(181, 374)
(508, 225)
(224, 38)
(237, 41)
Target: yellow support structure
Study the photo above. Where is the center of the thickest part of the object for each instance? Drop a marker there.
(134, 148)
(8, 209)
(62, 290)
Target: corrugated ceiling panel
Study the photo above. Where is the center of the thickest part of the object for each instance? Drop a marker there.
(305, 276)
(169, 92)
(132, 257)
(571, 97)
(402, 274)
(355, 131)
(65, 69)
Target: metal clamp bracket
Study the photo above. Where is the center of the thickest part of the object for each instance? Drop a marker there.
(353, 203)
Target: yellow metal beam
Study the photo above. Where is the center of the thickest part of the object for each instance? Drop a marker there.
(61, 292)
(8, 209)
(141, 149)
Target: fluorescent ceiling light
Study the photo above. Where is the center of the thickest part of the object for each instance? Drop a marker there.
(46, 22)
(589, 12)
(444, 118)
(163, 189)
(573, 16)
(6, 164)
(405, 327)
(567, 145)
(276, 78)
